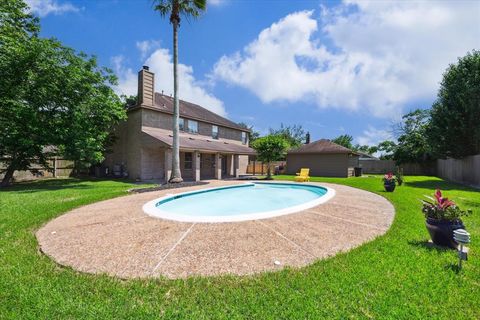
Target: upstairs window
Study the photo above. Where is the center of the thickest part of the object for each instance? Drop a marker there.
(181, 124)
(215, 132)
(192, 126)
(244, 137)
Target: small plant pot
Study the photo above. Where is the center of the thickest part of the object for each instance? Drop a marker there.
(389, 187)
(441, 231)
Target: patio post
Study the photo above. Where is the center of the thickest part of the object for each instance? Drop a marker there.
(236, 166)
(196, 165)
(168, 164)
(218, 166)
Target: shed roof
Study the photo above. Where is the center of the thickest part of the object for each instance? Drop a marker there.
(321, 146)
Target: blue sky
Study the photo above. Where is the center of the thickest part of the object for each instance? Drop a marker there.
(334, 67)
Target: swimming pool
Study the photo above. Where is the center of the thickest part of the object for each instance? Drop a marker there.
(249, 201)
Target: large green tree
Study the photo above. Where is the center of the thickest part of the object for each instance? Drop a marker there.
(270, 148)
(52, 99)
(345, 140)
(174, 9)
(295, 135)
(455, 117)
(412, 145)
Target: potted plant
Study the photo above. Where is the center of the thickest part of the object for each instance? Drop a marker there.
(442, 216)
(389, 182)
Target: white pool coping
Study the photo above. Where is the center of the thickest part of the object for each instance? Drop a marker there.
(151, 209)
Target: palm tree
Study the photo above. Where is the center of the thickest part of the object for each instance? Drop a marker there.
(175, 9)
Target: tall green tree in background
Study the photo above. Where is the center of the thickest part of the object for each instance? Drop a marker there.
(52, 99)
(412, 145)
(455, 117)
(295, 135)
(175, 9)
(344, 140)
(270, 148)
(252, 133)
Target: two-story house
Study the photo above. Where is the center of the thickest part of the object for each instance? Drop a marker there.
(211, 146)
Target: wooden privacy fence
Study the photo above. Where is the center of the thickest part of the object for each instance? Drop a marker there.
(385, 166)
(257, 167)
(59, 168)
(465, 171)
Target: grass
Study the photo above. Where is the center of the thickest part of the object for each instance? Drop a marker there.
(396, 276)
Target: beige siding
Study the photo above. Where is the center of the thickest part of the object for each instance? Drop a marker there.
(126, 149)
(322, 165)
(242, 164)
(152, 163)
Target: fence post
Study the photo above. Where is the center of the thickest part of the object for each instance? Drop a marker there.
(54, 167)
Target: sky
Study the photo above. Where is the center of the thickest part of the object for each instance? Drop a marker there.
(334, 67)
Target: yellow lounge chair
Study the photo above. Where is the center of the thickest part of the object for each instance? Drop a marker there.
(303, 175)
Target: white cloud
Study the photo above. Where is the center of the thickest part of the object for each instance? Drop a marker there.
(127, 79)
(146, 46)
(384, 54)
(160, 63)
(215, 2)
(45, 7)
(372, 136)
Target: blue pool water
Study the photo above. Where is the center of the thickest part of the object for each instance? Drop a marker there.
(240, 200)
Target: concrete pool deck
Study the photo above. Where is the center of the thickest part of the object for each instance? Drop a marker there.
(117, 238)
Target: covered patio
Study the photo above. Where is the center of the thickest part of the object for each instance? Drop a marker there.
(201, 158)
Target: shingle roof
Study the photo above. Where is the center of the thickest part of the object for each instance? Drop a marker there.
(193, 111)
(321, 146)
(197, 142)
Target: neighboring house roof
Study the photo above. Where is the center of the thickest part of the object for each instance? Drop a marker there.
(193, 111)
(197, 142)
(366, 156)
(321, 146)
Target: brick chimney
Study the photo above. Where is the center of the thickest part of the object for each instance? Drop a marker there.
(146, 87)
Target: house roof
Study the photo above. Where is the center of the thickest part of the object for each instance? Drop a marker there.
(197, 142)
(364, 155)
(321, 146)
(164, 103)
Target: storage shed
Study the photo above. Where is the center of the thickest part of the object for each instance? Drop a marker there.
(324, 158)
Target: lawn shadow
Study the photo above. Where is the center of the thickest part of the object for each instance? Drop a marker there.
(433, 184)
(55, 184)
(428, 245)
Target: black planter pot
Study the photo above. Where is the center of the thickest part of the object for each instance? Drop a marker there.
(441, 231)
(389, 187)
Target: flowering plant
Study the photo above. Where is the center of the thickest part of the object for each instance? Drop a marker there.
(442, 208)
(389, 178)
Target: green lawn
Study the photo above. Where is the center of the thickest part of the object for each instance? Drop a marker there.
(397, 276)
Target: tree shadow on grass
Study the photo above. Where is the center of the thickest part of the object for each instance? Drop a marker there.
(429, 246)
(433, 184)
(55, 184)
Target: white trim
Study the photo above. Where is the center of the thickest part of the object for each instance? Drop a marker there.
(151, 209)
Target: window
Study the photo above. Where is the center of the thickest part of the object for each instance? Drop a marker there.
(215, 132)
(188, 160)
(181, 124)
(192, 126)
(244, 137)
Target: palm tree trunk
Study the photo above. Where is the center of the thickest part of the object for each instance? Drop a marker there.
(176, 174)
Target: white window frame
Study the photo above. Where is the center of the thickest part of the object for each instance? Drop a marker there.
(181, 124)
(244, 137)
(190, 129)
(215, 132)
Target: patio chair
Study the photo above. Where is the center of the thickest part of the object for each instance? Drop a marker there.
(303, 176)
